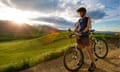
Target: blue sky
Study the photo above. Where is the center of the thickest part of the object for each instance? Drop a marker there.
(62, 13)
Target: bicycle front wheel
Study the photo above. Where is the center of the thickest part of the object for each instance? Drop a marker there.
(100, 48)
(73, 59)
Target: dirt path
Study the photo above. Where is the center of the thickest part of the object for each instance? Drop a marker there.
(110, 64)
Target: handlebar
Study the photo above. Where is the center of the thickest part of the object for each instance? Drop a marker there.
(78, 34)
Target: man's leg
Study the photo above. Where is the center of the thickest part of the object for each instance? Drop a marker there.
(90, 54)
(79, 43)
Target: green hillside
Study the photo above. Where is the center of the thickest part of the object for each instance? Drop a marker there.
(10, 31)
(17, 55)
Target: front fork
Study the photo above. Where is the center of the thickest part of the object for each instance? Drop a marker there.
(74, 56)
(94, 40)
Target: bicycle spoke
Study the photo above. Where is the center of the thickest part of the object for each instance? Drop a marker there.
(100, 49)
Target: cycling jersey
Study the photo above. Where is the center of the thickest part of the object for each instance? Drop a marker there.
(82, 24)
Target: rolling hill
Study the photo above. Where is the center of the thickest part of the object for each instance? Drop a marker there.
(11, 31)
(22, 54)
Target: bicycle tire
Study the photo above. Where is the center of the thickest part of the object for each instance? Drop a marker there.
(95, 48)
(81, 60)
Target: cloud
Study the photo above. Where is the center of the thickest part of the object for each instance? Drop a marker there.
(54, 20)
(57, 21)
(97, 14)
(95, 8)
(40, 5)
(62, 7)
(112, 4)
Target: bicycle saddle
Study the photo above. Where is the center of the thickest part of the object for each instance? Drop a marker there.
(92, 30)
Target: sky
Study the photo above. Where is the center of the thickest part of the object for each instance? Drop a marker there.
(62, 13)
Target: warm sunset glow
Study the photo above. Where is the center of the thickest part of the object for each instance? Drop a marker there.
(18, 19)
(16, 15)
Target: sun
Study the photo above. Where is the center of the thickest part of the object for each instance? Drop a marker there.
(18, 16)
(19, 21)
(15, 15)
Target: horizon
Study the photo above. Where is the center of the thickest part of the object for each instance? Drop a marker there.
(53, 26)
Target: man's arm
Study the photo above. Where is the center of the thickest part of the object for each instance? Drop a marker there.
(88, 25)
(76, 27)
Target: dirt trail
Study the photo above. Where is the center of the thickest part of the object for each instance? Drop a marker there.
(110, 64)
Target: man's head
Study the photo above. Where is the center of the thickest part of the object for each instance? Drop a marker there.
(82, 11)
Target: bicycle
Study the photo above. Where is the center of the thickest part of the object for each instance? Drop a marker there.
(74, 58)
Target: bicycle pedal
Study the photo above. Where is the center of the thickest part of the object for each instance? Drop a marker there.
(92, 68)
(89, 70)
(80, 63)
(96, 59)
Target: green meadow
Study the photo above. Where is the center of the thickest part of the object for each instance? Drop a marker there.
(21, 54)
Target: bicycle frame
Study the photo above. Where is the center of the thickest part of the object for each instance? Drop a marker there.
(90, 36)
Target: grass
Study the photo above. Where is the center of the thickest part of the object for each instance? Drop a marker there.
(22, 54)
(105, 36)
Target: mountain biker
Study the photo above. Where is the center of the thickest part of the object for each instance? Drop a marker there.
(82, 27)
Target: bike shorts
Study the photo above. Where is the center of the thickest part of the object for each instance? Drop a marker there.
(85, 41)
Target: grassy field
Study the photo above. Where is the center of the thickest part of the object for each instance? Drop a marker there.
(21, 54)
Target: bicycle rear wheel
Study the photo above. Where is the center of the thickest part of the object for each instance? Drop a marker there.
(100, 48)
(73, 59)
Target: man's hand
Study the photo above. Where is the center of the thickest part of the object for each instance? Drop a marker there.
(81, 33)
(70, 35)
(76, 33)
